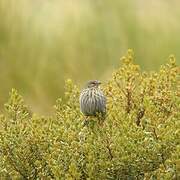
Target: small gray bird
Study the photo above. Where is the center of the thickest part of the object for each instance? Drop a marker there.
(92, 100)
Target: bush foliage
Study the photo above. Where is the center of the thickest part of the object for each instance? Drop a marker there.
(138, 139)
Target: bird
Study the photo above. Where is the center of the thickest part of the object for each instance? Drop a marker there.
(92, 100)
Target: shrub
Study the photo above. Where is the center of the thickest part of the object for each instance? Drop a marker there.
(138, 140)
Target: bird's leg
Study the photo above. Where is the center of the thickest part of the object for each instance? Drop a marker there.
(89, 121)
(86, 121)
(101, 118)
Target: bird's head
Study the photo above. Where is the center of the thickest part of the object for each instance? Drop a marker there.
(93, 83)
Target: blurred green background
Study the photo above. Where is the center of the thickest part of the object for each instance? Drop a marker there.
(44, 42)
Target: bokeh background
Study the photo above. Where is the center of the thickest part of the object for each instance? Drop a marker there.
(44, 42)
